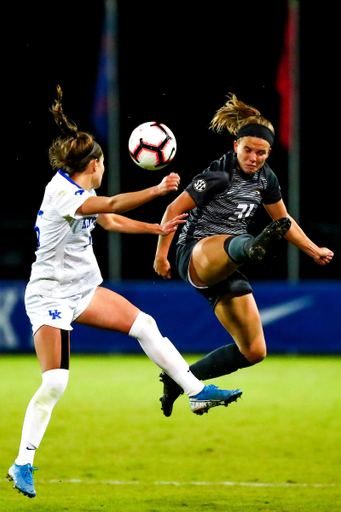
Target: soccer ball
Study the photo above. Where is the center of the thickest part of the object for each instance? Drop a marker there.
(152, 146)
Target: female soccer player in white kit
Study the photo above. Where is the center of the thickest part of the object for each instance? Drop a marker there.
(64, 286)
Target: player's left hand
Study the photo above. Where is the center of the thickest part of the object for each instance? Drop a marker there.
(171, 225)
(169, 183)
(324, 256)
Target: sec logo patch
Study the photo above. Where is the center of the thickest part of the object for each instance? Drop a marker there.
(200, 185)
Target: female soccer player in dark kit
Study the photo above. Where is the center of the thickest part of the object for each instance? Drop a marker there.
(214, 242)
(64, 285)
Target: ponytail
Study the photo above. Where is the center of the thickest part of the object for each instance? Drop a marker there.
(235, 114)
(73, 150)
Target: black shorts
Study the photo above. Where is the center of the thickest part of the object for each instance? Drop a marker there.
(236, 283)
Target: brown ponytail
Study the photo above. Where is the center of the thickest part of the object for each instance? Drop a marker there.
(235, 114)
(74, 150)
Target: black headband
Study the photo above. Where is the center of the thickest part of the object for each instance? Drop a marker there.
(95, 146)
(256, 130)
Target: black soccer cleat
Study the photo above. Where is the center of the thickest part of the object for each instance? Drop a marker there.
(171, 391)
(256, 248)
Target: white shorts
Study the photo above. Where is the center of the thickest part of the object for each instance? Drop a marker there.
(56, 312)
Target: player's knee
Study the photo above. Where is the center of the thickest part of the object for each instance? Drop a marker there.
(255, 354)
(54, 383)
(144, 326)
(148, 321)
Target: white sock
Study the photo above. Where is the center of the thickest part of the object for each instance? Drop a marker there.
(39, 412)
(163, 353)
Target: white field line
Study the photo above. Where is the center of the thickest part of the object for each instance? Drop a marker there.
(175, 483)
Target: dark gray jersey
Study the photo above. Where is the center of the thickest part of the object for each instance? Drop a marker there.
(227, 199)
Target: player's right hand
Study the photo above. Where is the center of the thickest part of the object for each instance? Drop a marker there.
(169, 183)
(162, 267)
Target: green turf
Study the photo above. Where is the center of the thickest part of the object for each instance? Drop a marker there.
(109, 448)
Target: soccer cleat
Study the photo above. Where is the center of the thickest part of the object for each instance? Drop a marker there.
(211, 396)
(171, 391)
(22, 476)
(257, 247)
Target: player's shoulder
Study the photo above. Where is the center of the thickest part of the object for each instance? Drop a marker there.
(224, 164)
(61, 183)
(63, 179)
(214, 179)
(221, 169)
(267, 171)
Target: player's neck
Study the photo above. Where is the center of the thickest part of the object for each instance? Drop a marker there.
(83, 179)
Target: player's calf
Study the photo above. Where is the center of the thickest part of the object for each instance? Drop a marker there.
(242, 247)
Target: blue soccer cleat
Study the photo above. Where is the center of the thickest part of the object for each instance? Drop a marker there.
(211, 396)
(22, 476)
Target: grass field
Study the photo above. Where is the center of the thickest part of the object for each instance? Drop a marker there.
(109, 448)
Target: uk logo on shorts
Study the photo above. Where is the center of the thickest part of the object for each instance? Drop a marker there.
(55, 314)
(200, 185)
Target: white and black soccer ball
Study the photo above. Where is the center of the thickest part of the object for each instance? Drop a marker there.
(152, 146)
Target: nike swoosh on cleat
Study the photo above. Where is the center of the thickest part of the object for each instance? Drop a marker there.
(274, 313)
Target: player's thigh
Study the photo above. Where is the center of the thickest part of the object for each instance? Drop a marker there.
(109, 310)
(240, 317)
(52, 347)
(210, 263)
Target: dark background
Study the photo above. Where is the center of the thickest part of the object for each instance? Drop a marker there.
(176, 64)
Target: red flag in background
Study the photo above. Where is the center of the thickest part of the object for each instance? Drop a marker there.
(287, 77)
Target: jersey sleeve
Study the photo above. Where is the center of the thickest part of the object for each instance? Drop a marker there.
(68, 199)
(206, 184)
(273, 192)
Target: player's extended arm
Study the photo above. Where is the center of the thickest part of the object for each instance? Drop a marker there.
(296, 235)
(129, 201)
(121, 224)
(182, 204)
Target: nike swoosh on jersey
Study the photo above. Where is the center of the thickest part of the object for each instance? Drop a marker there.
(274, 313)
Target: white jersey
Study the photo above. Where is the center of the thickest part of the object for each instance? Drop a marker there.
(65, 262)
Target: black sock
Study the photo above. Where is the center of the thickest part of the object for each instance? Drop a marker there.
(222, 361)
(234, 247)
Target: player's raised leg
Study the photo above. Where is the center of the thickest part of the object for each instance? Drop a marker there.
(240, 317)
(109, 310)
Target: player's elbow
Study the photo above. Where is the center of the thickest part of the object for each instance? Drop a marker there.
(106, 221)
(173, 209)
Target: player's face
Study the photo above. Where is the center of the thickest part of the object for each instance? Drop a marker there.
(97, 177)
(251, 153)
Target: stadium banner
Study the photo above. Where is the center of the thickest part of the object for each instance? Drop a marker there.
(299, 318)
